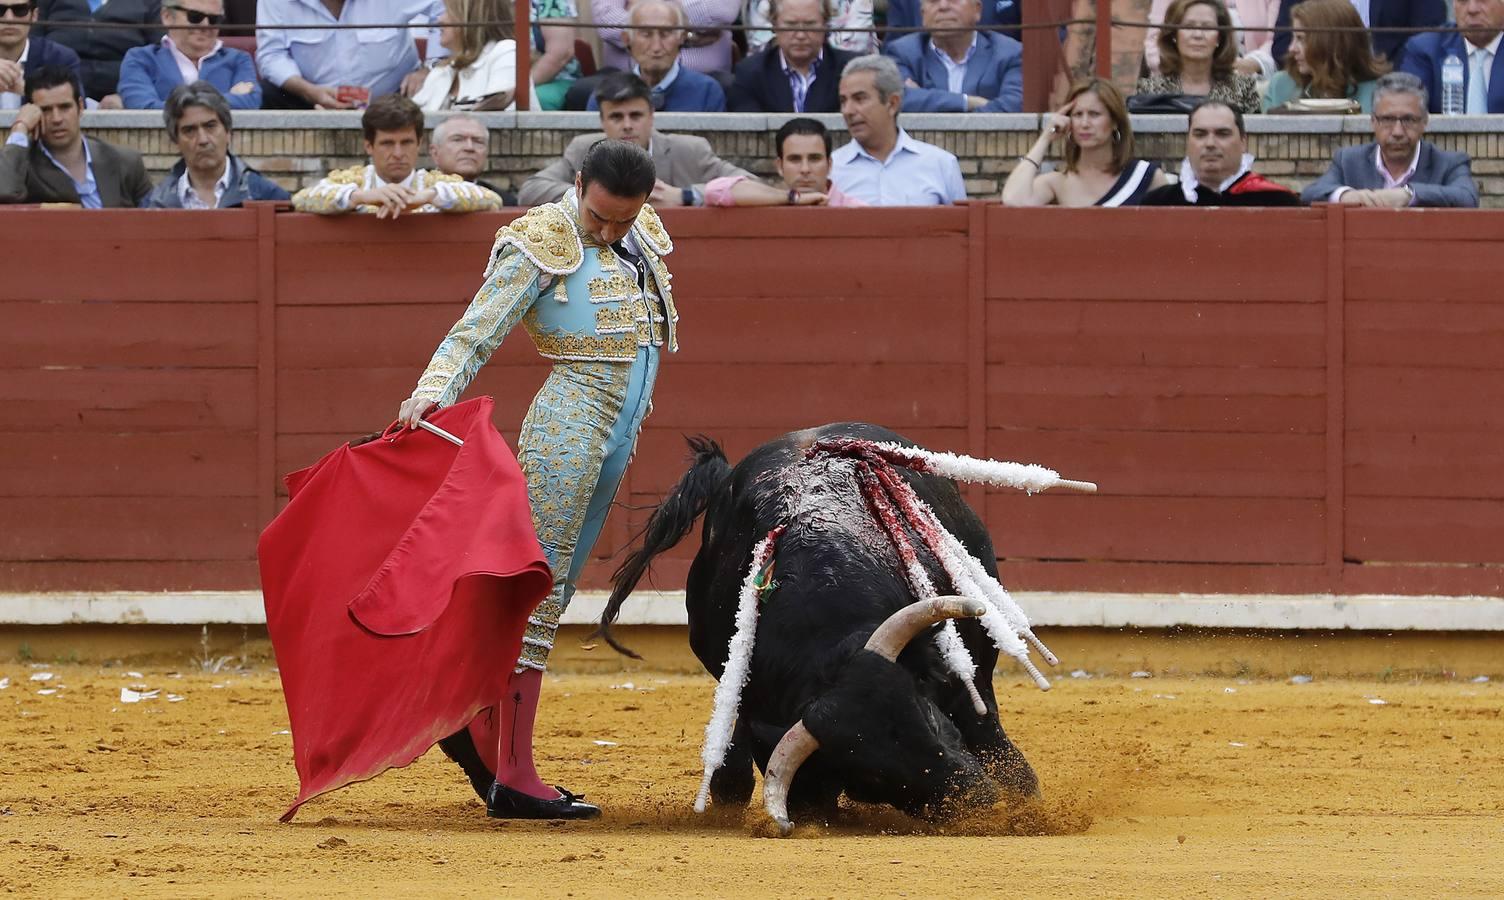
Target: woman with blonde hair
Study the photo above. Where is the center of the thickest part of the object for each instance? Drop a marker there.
(1324, 64)
(1198, 49)
(1100, 168)
(481, 70)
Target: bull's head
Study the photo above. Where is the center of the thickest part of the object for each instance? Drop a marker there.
(893, 744)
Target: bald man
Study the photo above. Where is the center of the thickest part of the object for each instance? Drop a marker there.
(654, 47)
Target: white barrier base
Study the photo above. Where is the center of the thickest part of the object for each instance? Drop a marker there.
(1362, 612)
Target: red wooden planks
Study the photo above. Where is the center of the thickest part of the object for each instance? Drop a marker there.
(142, 464)
(1424, 530)
(1155, 254)
(109, 333)
(1421, 270)
(127, 528)
(1161, 529)
(1156, 398)
(122, 269)
(1154, 333)
(1456, 464)
(128, 575)
(93, 400)
(1174, 464)
(914, 269)
(1426, 334)
(1432, 400)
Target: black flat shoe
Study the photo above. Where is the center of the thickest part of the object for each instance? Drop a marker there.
(504, 803)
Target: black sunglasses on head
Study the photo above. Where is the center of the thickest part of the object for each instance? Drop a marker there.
(199, 18)
(16, 10)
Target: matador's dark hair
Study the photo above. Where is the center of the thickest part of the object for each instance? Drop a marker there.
(622, 168)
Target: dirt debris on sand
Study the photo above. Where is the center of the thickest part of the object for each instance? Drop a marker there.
(1162, 787)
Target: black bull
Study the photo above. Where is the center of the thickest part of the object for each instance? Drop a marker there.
(900, 732)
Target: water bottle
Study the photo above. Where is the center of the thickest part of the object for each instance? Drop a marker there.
(1452, 95)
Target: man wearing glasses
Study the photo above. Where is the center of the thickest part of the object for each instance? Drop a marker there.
(21, 54)
(190, 51)
(1398, 169)
(799, 71)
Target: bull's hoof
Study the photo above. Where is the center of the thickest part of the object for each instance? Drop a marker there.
(504, 803)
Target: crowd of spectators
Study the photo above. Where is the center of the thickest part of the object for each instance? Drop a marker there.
(1203, 58)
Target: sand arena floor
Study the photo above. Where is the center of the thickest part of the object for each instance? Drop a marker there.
(1154, 787)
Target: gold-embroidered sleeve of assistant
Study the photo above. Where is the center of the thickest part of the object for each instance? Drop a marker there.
(453, 194)
(331, 196)
(509, 291)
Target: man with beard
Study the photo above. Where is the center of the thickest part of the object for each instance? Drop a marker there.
(47, 159)
(208, 176)
(803, 166)
(1218, 169)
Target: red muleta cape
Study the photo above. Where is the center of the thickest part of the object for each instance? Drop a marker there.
(398, 581)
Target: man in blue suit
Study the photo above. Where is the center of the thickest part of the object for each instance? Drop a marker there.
(958, 71)
(654, 45)
(1381, 14)
(1398, 169)
(1476, 46)
(1007, 13)
(191, 51)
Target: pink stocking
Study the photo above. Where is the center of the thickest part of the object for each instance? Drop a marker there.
(505, 739)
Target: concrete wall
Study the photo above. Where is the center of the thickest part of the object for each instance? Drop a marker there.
(296, 148)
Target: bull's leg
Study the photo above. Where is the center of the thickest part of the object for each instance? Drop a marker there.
(732, 783)
(986, 739)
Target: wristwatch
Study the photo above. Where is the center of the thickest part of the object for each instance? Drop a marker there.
(793, 197)
(687, 197)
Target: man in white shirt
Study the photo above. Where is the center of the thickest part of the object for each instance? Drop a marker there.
(882, 165)
(392, 184)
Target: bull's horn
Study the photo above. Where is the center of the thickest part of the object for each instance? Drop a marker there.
(788, 756)
(893, 635)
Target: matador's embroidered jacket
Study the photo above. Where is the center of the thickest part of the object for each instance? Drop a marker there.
(583, 307)
(331, 196)
(572, 296)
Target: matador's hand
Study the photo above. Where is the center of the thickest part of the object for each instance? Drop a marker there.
(413, 409)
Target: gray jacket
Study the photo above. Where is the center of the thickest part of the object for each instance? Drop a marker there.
(28, 176)
(682, 160)
(1442, 178)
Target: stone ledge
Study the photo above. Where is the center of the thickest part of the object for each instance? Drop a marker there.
(1316, 612)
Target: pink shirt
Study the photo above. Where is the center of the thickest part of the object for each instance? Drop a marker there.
(718, 193)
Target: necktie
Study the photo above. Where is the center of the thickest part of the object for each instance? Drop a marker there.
(1477, 82)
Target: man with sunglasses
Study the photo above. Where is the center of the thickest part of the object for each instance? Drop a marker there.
(190, 51)
(129, 23)
(21, 54)
(1398, 169)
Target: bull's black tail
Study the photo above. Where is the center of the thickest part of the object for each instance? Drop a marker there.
(668, 525)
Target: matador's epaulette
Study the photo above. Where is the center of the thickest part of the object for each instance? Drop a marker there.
(435, 176)
(651, 231)
(546, 236)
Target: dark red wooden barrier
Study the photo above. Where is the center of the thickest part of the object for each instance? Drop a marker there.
(1275, 401)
